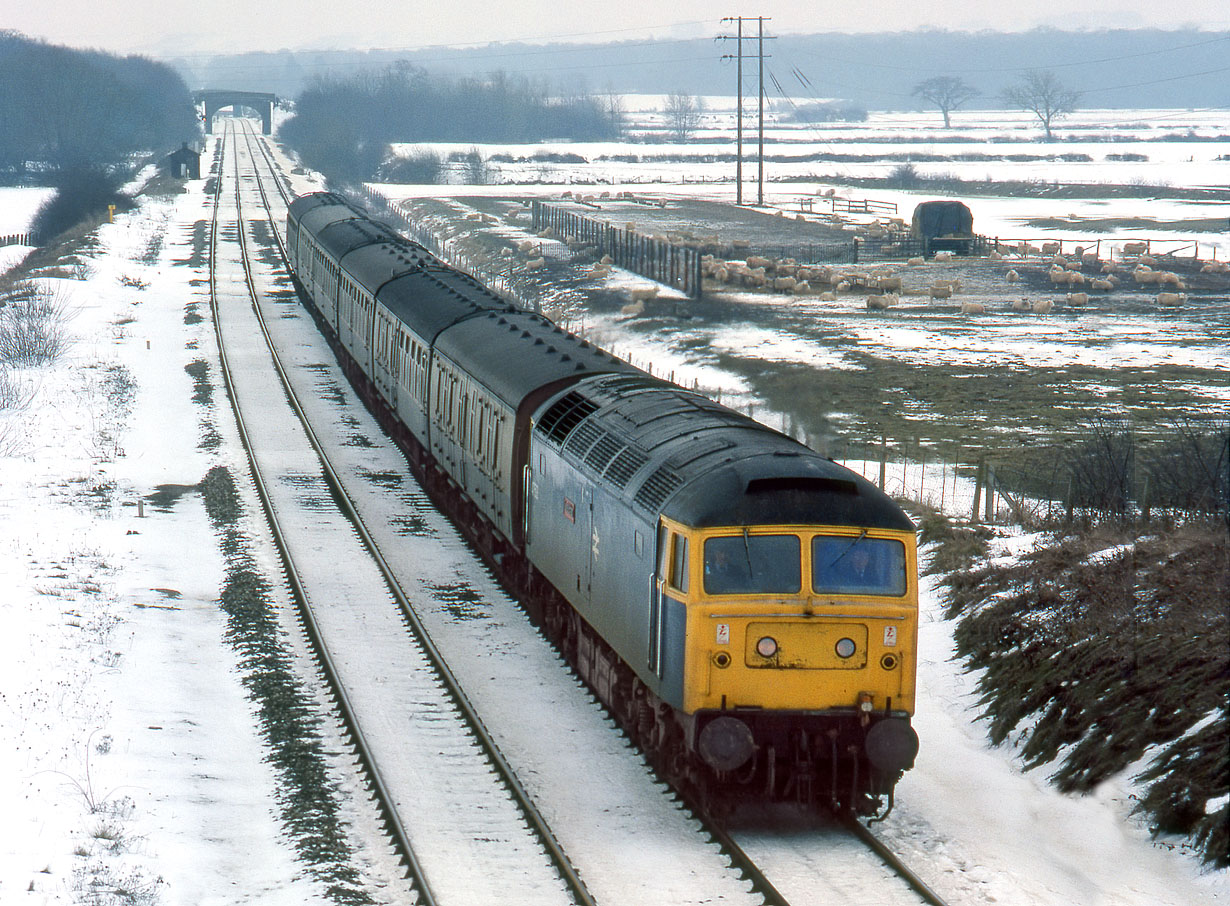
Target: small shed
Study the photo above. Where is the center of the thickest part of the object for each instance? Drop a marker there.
(943, 225)
(184, 163)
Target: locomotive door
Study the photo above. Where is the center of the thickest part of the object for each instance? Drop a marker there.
(656, 603)
(587, 503)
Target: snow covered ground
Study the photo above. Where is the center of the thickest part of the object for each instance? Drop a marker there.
(129, 751)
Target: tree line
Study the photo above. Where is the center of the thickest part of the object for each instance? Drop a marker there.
(344, 126)
(1038, 91)
(66, 109)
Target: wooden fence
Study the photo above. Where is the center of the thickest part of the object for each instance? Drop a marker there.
(19, 239)
(657, 259)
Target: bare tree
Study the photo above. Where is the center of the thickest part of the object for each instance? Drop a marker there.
(1042, 93)
(945, 92)
(683, 114)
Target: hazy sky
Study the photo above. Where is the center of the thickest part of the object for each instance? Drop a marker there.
(175, 27)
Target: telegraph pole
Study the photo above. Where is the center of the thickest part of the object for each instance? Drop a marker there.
(760, 120)
(760, 55)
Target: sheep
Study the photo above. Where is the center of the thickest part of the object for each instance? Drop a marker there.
(633, 308)
(535, 264)
(1012, 276)
(876, 303)
(954, 285)
(759, 261)
(915, 262)
(1135, 248)
(1090, 259)
(1146, 260)
(1104, 285)
(827, 297)
(606, 259)
(740, 243)
(886, 284)
(942, 256)
(1078, 299)
(1215, 267)
(1075, 279)
(643, 293)
(1059, 261)
(972, 308)
(1059, 275)
(1043, 306)
(721, 275)
(1171, 299)
(1169, 279)
(940, 291)
(801, 288)
(784, 284)
(600, 270)
(1050, 248)
(1021, 305)
(994, 255)
(1074, 265)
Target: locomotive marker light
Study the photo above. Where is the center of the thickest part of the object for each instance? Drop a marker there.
(845, 649)
(767, 647)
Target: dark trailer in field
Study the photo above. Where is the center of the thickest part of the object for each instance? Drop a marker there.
(943, 226)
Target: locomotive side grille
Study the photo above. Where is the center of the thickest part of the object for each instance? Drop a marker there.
(624, 466)
(581, 439)
(565, 415)
(657, 487)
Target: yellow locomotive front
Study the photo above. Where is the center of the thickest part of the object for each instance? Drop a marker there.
(802, 647)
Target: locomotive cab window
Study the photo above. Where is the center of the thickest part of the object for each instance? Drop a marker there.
(679, 563)
(858, 565)
(753, 564)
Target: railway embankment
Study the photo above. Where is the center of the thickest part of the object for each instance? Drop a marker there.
(1102, 653)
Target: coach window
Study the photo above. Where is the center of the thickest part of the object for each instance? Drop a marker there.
(679, 563)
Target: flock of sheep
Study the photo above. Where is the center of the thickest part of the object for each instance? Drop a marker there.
(1082, 275)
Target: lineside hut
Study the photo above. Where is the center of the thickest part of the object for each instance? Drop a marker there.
(184, 163)
(943, 226)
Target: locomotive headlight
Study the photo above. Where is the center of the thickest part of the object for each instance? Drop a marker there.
(845, 648)
(767, 647)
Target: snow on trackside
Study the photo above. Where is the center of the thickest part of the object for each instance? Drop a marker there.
(128, 749)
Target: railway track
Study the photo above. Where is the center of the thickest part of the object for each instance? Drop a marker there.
(329, 484)
(293, 490)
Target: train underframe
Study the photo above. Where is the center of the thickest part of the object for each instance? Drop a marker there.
(816, 759)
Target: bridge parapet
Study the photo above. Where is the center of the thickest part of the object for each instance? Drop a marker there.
(217, 99)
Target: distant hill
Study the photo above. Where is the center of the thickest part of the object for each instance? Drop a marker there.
(1113, 68)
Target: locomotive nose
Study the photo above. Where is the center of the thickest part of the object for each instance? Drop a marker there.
(726, 743)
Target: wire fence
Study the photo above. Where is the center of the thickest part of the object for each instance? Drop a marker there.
(1107, 474)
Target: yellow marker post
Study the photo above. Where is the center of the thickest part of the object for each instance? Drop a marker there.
(110, 213)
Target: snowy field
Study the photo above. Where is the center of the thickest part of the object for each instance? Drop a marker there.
(129, 751)
(1181, 149)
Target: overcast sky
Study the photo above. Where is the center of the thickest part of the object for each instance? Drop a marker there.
(178, 27)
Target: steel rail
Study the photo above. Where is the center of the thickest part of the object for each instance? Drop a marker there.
(891, 859)
(524, 801)
(384, 802)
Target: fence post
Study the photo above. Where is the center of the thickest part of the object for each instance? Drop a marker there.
(883, 458)
(989, 514)
(978, 479)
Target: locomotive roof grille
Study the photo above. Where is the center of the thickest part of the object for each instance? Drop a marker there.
(624, 466)
(582, 438)
(657, 488)
(568, 412)
(605, 449)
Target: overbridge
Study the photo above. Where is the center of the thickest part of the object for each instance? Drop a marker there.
(216, 99)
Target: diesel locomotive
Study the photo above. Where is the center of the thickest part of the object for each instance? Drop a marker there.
(745, 607)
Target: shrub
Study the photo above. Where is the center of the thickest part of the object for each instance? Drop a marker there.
(420, 168)
(81, 193)
(33, 322)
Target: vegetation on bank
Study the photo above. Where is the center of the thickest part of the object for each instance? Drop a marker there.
(343, 127)
(1103, 650)
(82, 122)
